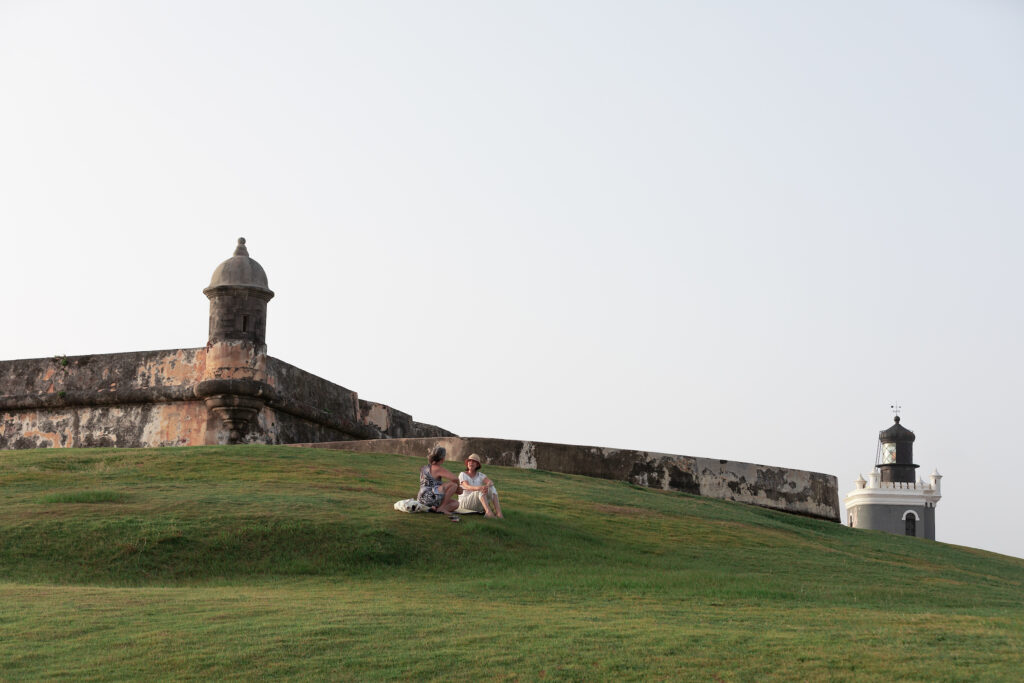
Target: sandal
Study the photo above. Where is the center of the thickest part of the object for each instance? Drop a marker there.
(454, 517)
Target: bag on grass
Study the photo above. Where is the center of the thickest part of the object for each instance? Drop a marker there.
(410, 505)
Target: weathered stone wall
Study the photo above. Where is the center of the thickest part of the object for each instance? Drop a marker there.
(165, 398)
(119, 399)
(141, 424)
(395, 423)
(279, 427)
(311, 404)
(114, 377)
(322, 408)
(807, 493)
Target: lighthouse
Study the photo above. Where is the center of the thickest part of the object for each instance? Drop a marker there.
(894, 498)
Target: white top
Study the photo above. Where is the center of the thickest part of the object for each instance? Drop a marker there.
(472, 501)
(477, 480)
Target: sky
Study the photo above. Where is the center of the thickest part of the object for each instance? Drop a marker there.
(734, 230)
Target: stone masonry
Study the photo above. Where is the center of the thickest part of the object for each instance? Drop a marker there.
(806, 493)
(231, 391)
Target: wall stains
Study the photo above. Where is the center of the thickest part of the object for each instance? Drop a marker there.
(798, 491)
(182, 397)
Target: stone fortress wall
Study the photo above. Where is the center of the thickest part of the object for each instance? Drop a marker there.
(165, 398)
(231, 391)
(806, 493)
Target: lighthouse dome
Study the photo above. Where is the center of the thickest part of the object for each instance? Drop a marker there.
(897, 433)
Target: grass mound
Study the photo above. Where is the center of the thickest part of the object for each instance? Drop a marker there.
(256, 561)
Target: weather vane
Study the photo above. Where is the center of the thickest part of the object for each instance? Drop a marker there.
(896, 408)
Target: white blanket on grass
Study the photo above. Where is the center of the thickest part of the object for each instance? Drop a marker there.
(411, 505)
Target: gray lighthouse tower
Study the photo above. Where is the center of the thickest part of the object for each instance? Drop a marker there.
(893, 498)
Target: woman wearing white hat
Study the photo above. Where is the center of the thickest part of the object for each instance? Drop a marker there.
(478, 492)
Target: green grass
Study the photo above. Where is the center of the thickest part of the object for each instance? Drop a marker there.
(85, 497)
(257, 562)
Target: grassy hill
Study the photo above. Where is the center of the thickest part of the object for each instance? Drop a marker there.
(252, 561)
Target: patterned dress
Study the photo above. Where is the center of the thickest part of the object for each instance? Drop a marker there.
(430, 488)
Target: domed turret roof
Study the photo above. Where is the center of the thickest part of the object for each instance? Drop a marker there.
(896, 433)
(240, 271)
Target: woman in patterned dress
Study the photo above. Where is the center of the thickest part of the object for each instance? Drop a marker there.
(436, 493)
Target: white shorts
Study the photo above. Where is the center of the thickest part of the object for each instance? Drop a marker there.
(469, 501)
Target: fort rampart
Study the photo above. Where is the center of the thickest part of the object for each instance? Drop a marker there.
(183, 397)
(231, 391)
(806, 493)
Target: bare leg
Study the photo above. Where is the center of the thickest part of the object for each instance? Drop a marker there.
(487, 508)
(449, 504)
(492, 493)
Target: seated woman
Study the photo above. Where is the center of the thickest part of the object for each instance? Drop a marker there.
(435, 493)
(479, 493)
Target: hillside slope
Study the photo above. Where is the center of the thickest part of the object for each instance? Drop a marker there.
(255, 561)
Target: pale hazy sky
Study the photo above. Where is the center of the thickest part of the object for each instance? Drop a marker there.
(734, 230)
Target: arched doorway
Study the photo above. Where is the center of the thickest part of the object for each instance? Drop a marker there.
(910, 523)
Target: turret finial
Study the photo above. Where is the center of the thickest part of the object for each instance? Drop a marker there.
(240, 250)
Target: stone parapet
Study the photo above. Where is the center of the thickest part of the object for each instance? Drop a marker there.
(118, 399)
(226, 392)
(807, 493)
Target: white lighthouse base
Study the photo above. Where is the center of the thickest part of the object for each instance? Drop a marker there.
(903, 508)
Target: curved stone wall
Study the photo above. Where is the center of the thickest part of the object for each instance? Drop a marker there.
(807, 493)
